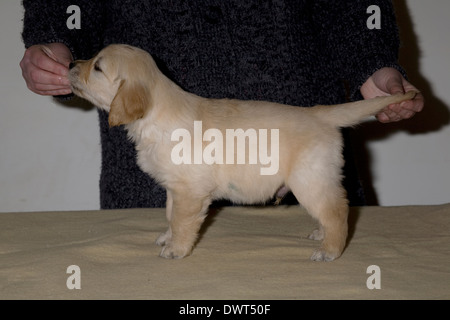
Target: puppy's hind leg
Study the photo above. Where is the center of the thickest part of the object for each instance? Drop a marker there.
(331, 211)
(187, 216)
(323, 196)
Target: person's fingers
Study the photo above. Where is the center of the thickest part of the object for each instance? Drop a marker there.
(399, 111)
(59, 52)
(418, 102)
(43, 82)
(383, 82)
(53, 92)
(387, 115)
(47, 78)
(48, 88)
(405, 109)
(44, 62)
(402, 112)
(41, 77)
(382, 117)
(394, 83)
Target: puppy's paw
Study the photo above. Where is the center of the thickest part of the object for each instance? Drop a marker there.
(171, 251)
(316, 235)
(321, 254)
(163, 239)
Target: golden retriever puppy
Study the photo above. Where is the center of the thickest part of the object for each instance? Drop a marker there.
(205, 149)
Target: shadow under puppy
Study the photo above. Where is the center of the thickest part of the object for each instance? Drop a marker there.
(305, 146)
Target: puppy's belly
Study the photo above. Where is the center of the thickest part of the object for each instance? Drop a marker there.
(245, 187)
(239, 183)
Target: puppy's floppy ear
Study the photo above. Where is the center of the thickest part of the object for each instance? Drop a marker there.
(130, 103)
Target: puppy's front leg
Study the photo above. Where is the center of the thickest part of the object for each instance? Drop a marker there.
(164, 238)
(186, 218)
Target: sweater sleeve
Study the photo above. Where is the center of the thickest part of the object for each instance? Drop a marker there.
(356, 51)
(46, 22)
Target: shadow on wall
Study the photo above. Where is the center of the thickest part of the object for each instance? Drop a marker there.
(73, 101)
(433, 117)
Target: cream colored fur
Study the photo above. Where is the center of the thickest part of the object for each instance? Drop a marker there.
(126, 82)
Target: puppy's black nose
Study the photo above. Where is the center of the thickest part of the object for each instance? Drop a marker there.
(71, 65)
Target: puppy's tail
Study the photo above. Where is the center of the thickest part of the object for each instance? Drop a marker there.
(352, 113)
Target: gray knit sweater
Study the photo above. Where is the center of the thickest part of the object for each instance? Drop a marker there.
(296, 52)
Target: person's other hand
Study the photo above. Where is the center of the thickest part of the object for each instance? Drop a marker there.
(45, 69)
(389, 81)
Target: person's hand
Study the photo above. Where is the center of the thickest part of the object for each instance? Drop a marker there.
(45, 69)
(389, 81)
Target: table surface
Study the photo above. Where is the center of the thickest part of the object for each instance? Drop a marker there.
(243, 253)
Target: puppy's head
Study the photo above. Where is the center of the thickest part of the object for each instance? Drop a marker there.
(118, 79)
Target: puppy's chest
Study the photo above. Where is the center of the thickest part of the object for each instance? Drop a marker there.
(153, 150)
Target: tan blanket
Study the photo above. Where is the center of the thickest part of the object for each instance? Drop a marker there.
(243, 253)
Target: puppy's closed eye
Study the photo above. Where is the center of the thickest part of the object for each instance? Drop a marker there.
(97, 67)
